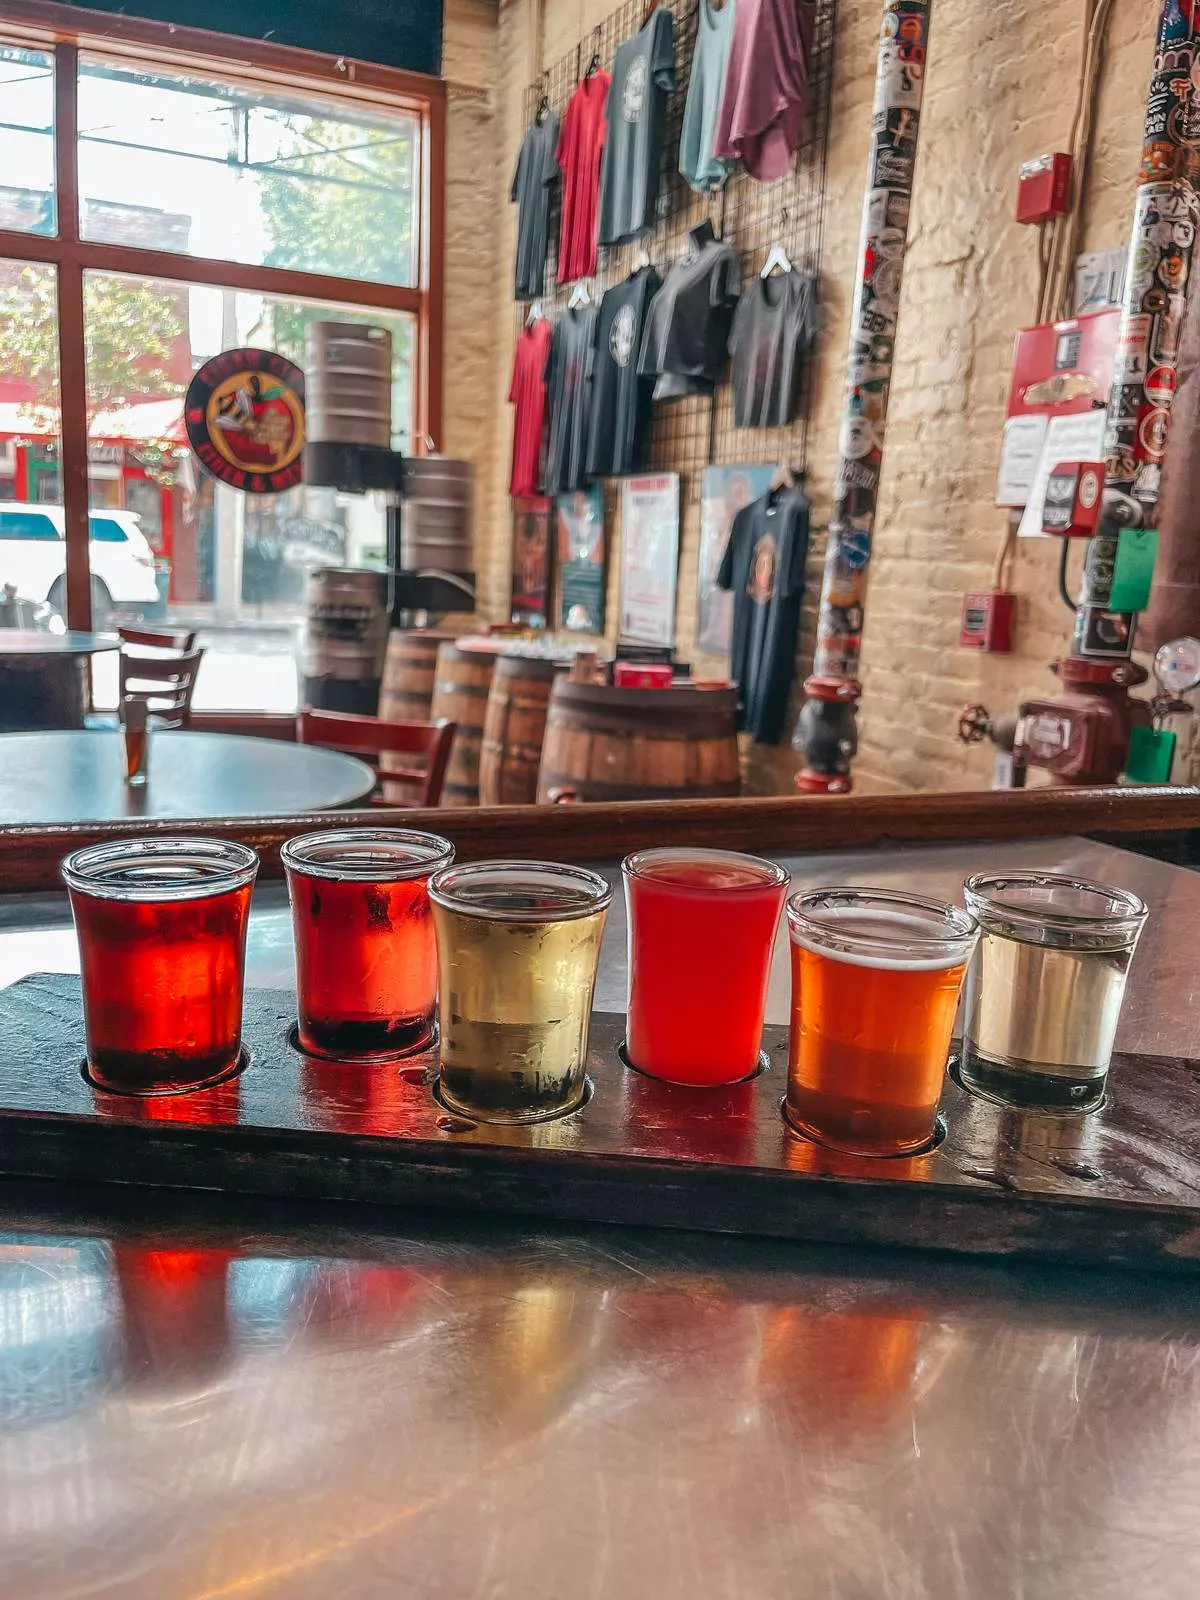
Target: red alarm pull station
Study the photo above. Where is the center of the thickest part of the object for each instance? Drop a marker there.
(987, 621)
(1074, 491)
(1044, 188)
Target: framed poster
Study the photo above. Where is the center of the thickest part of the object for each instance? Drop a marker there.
(725, 491)
(581, 560)
(649, 559)
(531, 562)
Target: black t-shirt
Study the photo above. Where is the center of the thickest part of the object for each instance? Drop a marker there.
(687, 331)
(764, 566)
(773, 329)
(643, 73)
(533, 190)
(567, 392)
(619, 408)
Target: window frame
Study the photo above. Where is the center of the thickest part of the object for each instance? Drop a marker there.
(66, 33)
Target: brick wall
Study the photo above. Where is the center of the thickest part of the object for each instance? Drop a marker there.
(999, 90)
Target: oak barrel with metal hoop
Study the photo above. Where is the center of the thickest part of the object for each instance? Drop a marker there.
(640, 744)
(462, 679)
(512, 730)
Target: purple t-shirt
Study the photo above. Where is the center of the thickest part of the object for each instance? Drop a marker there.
(766, 86)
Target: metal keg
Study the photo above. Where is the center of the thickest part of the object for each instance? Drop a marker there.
(436, 516)
(348, 384)
(345, 639)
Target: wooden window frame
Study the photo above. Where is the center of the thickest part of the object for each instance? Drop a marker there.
(66, 33)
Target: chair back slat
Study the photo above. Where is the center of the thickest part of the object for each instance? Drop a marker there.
(164, 682)
(156, 639)
(369, 737)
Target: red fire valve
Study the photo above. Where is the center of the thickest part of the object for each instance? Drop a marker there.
(1074, 491)
(1044, 187)
(1082, 734)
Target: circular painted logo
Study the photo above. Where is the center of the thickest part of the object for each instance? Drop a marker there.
(1160, 386)
(633, 96)
(1089, 489)
(620, 336)
(244, 415)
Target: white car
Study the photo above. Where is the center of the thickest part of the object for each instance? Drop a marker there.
(33, 558)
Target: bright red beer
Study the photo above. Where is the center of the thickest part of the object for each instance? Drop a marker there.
(701, 931)
(366, 956)
(162, 947)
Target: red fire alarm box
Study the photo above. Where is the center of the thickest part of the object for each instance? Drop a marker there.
(1044, 187)
(987, 621)
(1074, 491)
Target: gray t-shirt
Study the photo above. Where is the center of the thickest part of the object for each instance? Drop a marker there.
(700, 167)
(642, 75)
(533, 191)
(773, 329)
(568, 393)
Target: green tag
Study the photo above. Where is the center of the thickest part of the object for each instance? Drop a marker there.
(1151, 752)
(1133, 569)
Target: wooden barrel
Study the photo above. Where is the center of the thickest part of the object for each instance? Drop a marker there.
(462, 679)
(640, 744)
(406, 693)
(512, 730)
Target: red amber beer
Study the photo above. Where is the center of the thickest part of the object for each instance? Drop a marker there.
(162, 950)
(366, 956)
(701, 931)
(876, 977)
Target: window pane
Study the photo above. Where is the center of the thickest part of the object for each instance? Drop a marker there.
(175, 163)
(232, 566)
(33, 555)
(27, 141)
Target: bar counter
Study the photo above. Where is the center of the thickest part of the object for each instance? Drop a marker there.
(206, 1397)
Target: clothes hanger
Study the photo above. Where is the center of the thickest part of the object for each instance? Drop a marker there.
(703, 233)
(778, 260)
(651, 7)
(594, 65)
(543, 107)
(581, 295)
(536, 314)
(641, 260)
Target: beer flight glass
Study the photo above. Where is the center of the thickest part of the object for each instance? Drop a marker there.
(162, 950)
(702, 929)
(366, 957)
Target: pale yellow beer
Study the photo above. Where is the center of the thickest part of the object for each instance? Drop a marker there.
(518, 944)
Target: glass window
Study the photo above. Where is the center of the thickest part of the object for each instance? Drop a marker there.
(107, 530)
(272, 179)
(16, 524)
(232, 566)
(27, 141)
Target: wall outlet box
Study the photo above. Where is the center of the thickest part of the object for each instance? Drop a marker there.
(1044, 187)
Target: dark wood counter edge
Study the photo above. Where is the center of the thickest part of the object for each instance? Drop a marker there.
(30, 856)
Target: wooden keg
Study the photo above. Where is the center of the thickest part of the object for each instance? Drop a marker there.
(462, 679)
(406, 694)
(640, 744)
(512, 730)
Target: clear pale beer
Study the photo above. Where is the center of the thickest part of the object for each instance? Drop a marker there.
(876, 979)
(518, 943)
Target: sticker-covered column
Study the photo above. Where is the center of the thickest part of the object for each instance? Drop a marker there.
(825, 730)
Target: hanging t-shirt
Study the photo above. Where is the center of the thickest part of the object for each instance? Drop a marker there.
(764, 566)
(710, 60)
(687, 332)
(527, 394)
(643, 74)
(619, 407)
(773, 330)
(766, 86)
(580, 145)
(532, 190)
(567, 384)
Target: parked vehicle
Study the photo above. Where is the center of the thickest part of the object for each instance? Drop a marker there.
(33, 559)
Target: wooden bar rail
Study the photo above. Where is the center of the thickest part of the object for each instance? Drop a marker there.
(30, 856)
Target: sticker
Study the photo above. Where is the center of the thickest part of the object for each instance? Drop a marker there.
(1089, 488)
(244, 415)
(1103, 633)
(852, 549)
(1152, 433)
(857, 438)
(1160, 386)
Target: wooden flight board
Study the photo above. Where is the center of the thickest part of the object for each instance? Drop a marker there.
(1120, 1187)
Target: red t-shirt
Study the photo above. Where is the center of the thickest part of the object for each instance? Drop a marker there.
(580, 145)
(527, 392)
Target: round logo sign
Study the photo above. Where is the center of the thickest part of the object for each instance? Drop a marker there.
(244, 415)
(1089, 489)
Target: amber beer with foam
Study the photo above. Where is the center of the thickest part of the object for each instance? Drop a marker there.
(876, 978)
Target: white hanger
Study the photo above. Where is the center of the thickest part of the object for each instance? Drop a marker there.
(581, 295)
(777, 261)
(642, 259)
(535, 314)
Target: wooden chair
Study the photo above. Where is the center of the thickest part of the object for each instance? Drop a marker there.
(165, 682)
(151, 639)
(367, 736)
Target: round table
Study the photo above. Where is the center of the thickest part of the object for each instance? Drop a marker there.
(42, 678)
(80, 777)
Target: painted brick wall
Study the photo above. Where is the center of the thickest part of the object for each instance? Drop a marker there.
(999, 90)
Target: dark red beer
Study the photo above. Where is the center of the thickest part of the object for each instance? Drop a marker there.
(162, 945)
(366, 958)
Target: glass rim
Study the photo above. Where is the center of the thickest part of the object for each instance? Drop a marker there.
(303, 854)
(983, 887)
(775, 876)
(443, 884)
(232, 866)
(951, 931)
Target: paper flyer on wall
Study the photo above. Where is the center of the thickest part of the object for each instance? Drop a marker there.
(649, 559)
(581, 560)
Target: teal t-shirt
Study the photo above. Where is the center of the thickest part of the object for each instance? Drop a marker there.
(702, 169)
